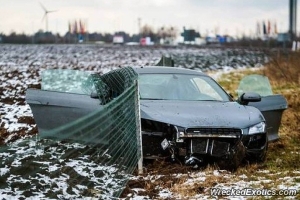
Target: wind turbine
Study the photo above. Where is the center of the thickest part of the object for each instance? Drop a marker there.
(45, 17)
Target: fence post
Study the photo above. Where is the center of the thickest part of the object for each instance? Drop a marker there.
(139, 130)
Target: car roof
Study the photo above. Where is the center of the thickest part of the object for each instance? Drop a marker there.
(165, 70)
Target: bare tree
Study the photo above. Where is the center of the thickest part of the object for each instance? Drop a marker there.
(147, 31)
(167, 33)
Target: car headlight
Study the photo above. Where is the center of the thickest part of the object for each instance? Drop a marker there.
(257, 128)
(180, 133)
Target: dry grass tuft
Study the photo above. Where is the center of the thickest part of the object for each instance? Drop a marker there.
(284, 67)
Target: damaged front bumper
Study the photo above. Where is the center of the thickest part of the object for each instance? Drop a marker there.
(207, 145)
(196, 146)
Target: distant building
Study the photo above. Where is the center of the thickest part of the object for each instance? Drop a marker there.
(189, 35)
(117, 39)
(168, 41)
(218, 39)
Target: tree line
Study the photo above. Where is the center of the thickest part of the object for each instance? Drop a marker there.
(42, 37)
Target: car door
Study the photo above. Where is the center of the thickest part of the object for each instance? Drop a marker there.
(53, 109)
(64, 97)
(271, 105)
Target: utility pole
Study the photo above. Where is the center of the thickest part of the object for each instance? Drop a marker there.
(139, 27)
(292, 18)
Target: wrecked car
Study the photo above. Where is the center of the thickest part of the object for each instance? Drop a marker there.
(185, 115)
(194, 118)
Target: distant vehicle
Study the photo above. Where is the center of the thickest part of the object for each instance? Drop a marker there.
(185, 115)
(146, 41)
(132, 43)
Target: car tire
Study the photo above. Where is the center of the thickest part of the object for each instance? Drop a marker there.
(237, 155)
(261, 157)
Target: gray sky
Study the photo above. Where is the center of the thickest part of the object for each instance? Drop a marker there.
(230, 16)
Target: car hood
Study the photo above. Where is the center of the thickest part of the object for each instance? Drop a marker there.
(200, 113)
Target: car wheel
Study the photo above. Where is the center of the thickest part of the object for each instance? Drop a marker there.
(261, 157)
(237, 155)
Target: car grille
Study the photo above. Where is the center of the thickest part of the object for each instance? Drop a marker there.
(219, 148)
(199, 145)
(214, 132)
(212, 147)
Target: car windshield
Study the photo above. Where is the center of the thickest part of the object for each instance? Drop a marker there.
(180, 87)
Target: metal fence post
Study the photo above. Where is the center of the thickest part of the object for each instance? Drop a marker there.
(139, 130)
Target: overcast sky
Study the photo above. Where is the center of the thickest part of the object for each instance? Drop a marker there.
(229, 16)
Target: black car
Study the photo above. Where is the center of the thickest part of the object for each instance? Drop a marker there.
(186, 115)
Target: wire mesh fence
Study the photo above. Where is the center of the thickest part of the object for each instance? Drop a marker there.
(92, 156)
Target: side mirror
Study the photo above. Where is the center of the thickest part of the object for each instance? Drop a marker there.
(247, 97)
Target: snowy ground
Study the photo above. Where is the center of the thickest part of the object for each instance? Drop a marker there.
(51, 175)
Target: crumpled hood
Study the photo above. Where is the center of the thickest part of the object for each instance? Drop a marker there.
(200, 113)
